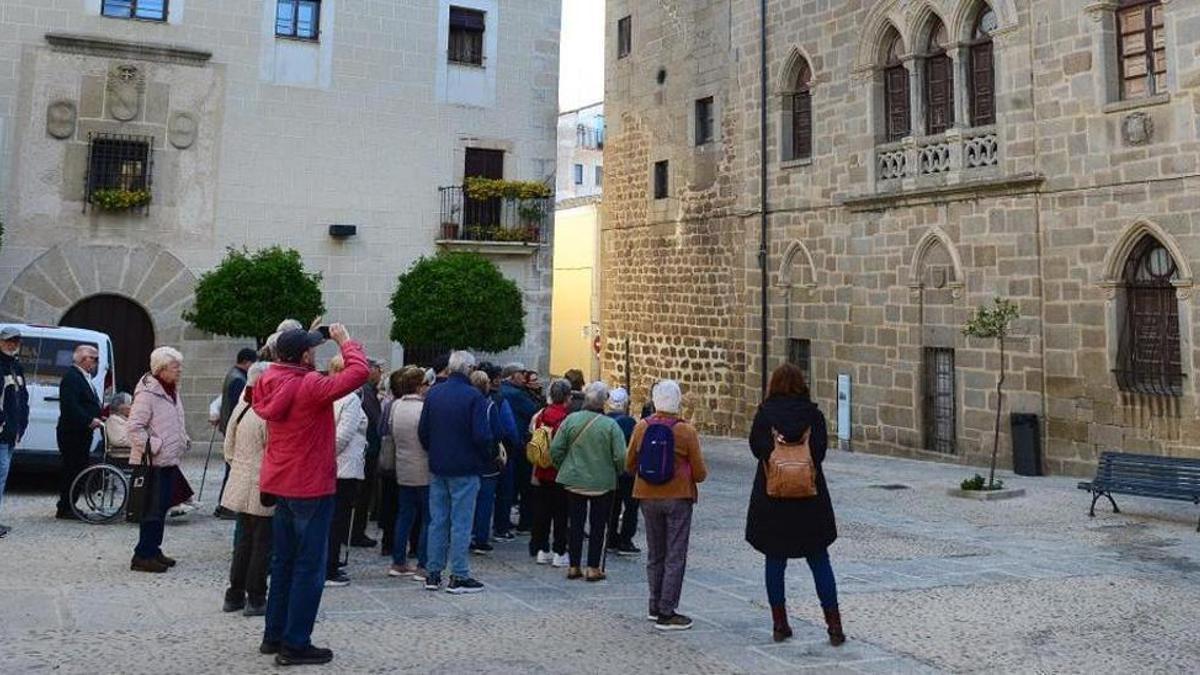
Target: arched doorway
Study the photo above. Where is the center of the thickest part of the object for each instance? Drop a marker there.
(127, 324)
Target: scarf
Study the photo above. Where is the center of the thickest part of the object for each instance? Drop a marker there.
(168, 387)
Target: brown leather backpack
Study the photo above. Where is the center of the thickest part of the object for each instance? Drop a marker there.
(791, 472)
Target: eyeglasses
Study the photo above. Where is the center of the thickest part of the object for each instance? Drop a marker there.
(91, 358)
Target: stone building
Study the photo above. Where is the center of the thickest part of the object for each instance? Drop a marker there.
(262, 122)
(921, 157)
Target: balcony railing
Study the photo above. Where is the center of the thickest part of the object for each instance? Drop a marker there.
(955, 156)
(493, 220)
(590, 138)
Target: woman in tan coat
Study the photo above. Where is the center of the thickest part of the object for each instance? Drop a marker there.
(245, 441)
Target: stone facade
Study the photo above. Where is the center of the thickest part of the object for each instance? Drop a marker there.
(258, 141)
(878, 252)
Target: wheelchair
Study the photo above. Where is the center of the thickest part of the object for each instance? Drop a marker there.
(100, 493)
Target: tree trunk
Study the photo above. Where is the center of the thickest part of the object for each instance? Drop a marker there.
(999, 407)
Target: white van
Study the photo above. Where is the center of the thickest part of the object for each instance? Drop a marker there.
(46, 354)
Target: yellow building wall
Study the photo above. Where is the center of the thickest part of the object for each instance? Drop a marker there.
(574, 290)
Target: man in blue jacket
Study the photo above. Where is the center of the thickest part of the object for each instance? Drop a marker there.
(455, 430)
(14, 404)
(515, 483)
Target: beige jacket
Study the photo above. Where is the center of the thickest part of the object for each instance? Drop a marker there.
(244, 446)
(157, 417)
(116, 433)
(412, 460)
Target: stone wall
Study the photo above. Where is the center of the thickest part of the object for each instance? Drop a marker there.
(874, 272)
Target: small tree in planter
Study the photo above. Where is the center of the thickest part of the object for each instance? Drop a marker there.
(457, 301)
(993, 322)
(248, 294)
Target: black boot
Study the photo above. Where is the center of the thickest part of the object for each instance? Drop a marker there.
(833, 622)
(235, 601)
(308, 656)
(779, 618)
(256, 605)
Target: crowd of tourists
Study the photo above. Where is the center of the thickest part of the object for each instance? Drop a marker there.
(450, 460)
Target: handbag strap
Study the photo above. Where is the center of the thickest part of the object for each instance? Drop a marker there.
(583, 431)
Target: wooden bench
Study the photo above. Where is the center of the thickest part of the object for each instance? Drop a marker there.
(1172, 478)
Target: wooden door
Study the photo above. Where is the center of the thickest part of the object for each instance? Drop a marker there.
(127, 324)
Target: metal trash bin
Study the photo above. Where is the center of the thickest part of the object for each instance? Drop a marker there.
(1026, 444)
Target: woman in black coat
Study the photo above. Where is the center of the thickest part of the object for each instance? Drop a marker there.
(783, 528)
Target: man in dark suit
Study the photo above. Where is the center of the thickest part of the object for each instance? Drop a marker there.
(78, 418)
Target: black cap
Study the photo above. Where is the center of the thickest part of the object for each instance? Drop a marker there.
(492, 370)
(291, 345)
(247, 355)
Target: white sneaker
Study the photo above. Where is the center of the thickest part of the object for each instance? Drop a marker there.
(561, 561)
(545, 557)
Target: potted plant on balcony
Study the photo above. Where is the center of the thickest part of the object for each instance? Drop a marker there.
(119, 199)
(532, 214)
(449, 230)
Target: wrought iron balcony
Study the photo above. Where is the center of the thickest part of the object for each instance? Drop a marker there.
(498, 219)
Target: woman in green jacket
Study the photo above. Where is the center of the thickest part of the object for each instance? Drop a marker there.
(589, 451)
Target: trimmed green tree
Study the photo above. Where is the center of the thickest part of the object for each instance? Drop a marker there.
(248, 294)
(994, 322)
(457, 301)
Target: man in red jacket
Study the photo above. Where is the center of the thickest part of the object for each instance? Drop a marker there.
(299, 470)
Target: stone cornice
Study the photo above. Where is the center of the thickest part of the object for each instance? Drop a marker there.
(1015, 184)
(94, 45)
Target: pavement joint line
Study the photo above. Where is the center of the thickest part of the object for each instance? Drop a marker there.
(521, 602)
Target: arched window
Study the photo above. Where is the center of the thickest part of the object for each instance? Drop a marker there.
(798, 105)
(1148, 356)
(897, 112)
(982, 69)
(939, 81)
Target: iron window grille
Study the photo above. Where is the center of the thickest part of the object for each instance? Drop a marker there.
(298, 19)
(466, 36)
(624, 37)
(704, 121)
(1149, 354)
(939, 395)
(661, 179)
(981, 70)
(1141, 48)
(118, 162)
(591, 138)
(146, 10)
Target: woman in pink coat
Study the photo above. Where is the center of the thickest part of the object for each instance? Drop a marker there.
(156, 424)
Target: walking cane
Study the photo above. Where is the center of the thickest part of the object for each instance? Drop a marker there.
(211, 439)
(349, 536)
(612, 511)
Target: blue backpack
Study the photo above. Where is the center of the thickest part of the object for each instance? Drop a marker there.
(656, 456)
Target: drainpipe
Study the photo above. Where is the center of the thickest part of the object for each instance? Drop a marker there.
(762, 183)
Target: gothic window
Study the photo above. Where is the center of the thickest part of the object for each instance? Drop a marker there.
(939, 82)
(896, 109)
(465, 44)
(299, 19)
(798, 105)
(1141, 48)
(150, 10)
(1149, 360)
(982, 69)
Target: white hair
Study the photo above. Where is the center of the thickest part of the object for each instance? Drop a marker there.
(667, 397)
(256, 371)
(288, 324)
(595, 395)
(162, 357)
(461, 362)
(82, 351)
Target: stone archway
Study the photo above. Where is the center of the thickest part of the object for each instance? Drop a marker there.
(129, 326)
(144, 273)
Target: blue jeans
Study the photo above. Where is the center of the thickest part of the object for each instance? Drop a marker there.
(451, 515)
(6, 453)
(153, 523)
(300, 545)
(485, 504)
(506, 491)
(822, 573)
(412, 502)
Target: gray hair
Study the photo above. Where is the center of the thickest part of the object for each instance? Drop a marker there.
(461, 362)
(162, 357)
(256, 371)
(119, 399)
(82, 351)
(595, 395)
(560, 391)
(668, 398)
(288, 324)
(511, 369)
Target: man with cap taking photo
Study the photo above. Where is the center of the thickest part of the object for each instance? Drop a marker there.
(299, 472)
(14, 404)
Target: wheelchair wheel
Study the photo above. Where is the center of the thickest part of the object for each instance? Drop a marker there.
(98, 495)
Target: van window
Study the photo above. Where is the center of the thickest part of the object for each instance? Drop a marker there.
(46, 360)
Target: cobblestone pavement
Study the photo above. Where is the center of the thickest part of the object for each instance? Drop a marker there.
(928, 583)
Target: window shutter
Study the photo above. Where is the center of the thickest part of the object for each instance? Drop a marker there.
(939, 113)
(896, 102)
(802, 125)
(983, 86)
